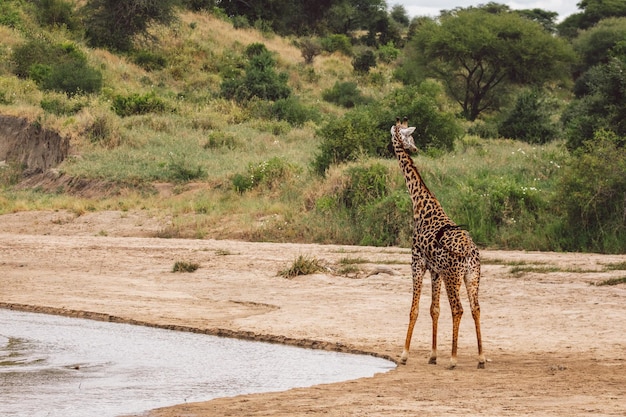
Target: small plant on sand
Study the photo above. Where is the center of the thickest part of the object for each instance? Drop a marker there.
(612, 281)
(183, 266)
(303, 265)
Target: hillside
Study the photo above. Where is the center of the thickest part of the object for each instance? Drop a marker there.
(165, 133)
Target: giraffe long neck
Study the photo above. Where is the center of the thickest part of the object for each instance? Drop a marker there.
(426, 208)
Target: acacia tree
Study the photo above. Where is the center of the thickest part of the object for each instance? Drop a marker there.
(478, 54)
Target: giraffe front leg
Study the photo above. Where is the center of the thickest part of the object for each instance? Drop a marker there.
(409, 332)
(418, 268)
(434, 314)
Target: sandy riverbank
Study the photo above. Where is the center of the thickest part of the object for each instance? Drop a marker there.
(555, 344)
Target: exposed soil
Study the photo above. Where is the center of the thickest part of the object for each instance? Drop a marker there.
(555, 343)
(25, 143)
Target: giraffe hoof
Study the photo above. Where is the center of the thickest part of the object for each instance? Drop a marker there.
(481, 365)
(432, 361)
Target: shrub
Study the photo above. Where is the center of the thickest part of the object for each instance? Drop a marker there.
(179, 169)
(56, 13)
(365, 130)
(337, 43)
(260, 79)
(61, 67)
(529, 120)
(387, 221)
(72, 78)
(184, 266)
(219, 139)
(148, 60)
(364, 61)
(293, 111)
(309, 49)
(270, 173)
(376, 214)
(303, 265)
(366, 183)
(241, 22)
(197, 5)
(345, 138)
(388, 53)
(9, 15)
(136, 103)
(113, 24)
(593, 195)
(601, 104)
(345, 94)
(59, 106)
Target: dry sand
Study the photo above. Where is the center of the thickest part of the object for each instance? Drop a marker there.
(555, 343)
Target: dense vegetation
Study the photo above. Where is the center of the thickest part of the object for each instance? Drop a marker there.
(271, 119)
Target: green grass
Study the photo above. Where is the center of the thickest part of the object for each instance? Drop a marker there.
(612, 281)
(185, 266)
(303, 265)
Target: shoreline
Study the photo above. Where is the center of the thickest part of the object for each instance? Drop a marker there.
(554, 340)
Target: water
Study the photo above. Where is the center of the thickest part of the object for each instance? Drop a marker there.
(66, 367)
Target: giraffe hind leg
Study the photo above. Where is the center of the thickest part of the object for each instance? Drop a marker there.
(472, 292)
(453, 285)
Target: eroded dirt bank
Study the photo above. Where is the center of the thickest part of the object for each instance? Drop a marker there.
(555, 343)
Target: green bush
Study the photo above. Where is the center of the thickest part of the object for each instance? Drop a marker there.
(60, 106)
(309, 49)
(294, 112)
(271, 174)
(148, 60)
(364, 61)
(592, 194)
(241, 22)
(9, 15)
(365, 129)
(179, 170)
(388, 53)
(600, 104)
(345, 94)
(366, 183)
(73, 78)
(198, 5)
(376, 214)
(56, 13)
(530, 119)
(219, 139)
(260, 79)
(337, 43)
(61, 67)
(387, 221)
(136, 103)
(114, 24)
(346, 138)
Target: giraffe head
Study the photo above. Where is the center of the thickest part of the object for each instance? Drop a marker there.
(405, 134)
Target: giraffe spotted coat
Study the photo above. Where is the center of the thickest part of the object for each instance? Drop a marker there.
(439, 246)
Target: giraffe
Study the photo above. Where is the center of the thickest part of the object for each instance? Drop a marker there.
(441, 247)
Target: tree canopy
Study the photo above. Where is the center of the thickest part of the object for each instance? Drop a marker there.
(478, 54)
(113, 23)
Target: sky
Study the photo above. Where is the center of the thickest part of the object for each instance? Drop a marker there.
(432, 7)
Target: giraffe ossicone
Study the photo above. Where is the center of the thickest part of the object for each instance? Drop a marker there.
(440, 246)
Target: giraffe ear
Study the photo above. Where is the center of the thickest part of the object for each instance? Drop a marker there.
(408, 131)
